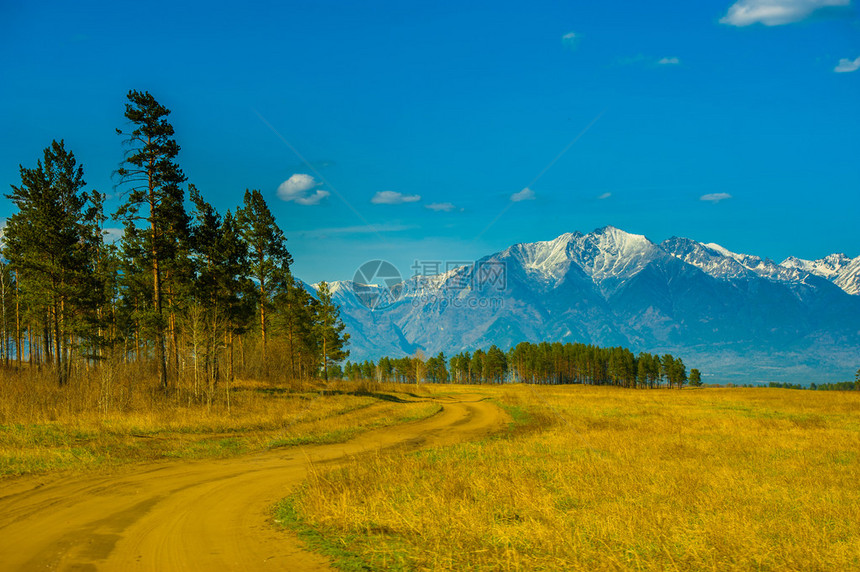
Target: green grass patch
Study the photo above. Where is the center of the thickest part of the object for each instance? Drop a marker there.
(336, 546)
(327, 438)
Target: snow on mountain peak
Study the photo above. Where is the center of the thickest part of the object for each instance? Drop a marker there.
(763, 267)
(838, 268)
(546, 260)
(711, 258)
(606, 254)
(609, 256)
(611, 253)
(622, 242)
(744, 259)
(827, 267)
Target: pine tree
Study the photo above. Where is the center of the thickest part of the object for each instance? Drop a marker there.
(294, 310)
(680, 373)
(329, 330)
(48, 244)
(267, 253)
(206, 316)
(476, 366)
(221, 289)
(695, 378)
(7, 297)
(236, 288)
(495, 365)
(437, 371)
(134, 313)
(152, 180)
(104, 263)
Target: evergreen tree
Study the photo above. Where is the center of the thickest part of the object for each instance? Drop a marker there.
(329, 330)
(495, 365)
(269, 260)
(293, 318)
(642, 369)
(695, 378)
(386, 369)
(152, 179)
(667, 365)
(222, 292)
(476, 366)
(7, 311)
(236, 289)
(680, 373)
(437, 372)
(48, 244)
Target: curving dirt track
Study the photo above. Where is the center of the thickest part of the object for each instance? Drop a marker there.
(207, 515)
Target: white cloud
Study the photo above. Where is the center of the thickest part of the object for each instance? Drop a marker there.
(445, 207)
(393, 198)
(774, 12)
(525, 195)
(715, 197)
(298, 183)
(571, 39)
(604, 196)
(297, 189)
(649, 61)
(845, 65)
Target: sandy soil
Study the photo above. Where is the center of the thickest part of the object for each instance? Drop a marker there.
(207, 515)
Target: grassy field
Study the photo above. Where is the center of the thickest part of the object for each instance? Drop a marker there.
(598, 478)
(47, 429)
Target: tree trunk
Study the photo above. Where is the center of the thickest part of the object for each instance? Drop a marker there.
(263, 322)
(290, 342)
(242, 351)
(30, 343)
(231, 355)
(161, 354)
(325, 360)
(17, 322)
(58, 353)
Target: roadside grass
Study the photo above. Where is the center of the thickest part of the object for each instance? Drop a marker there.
(64, 434)
(601, 478)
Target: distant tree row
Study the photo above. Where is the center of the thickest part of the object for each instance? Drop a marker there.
(837, 386)
(543, 363)
(184, 291)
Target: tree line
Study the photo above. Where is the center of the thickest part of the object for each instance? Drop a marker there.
(187, 291)
(832, 386)
(542, 363)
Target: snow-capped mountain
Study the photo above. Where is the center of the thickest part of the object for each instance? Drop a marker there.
(735, 316)
(838, 268)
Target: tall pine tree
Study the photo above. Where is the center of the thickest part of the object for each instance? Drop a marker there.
(151, 179)
(49, 244)
(329, 330)
(269, 260)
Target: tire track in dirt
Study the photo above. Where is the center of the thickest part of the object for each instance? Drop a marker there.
(199, 515)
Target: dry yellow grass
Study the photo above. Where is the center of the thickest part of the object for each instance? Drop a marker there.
(44, 428)
(601, 478)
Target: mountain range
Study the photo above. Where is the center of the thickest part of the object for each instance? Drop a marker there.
(738, 318)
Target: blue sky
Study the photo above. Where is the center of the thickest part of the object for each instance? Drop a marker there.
(404, 130)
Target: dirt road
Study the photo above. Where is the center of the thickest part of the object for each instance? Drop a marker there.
(208, 515)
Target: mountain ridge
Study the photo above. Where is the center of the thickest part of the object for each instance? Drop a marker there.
(745, 318)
